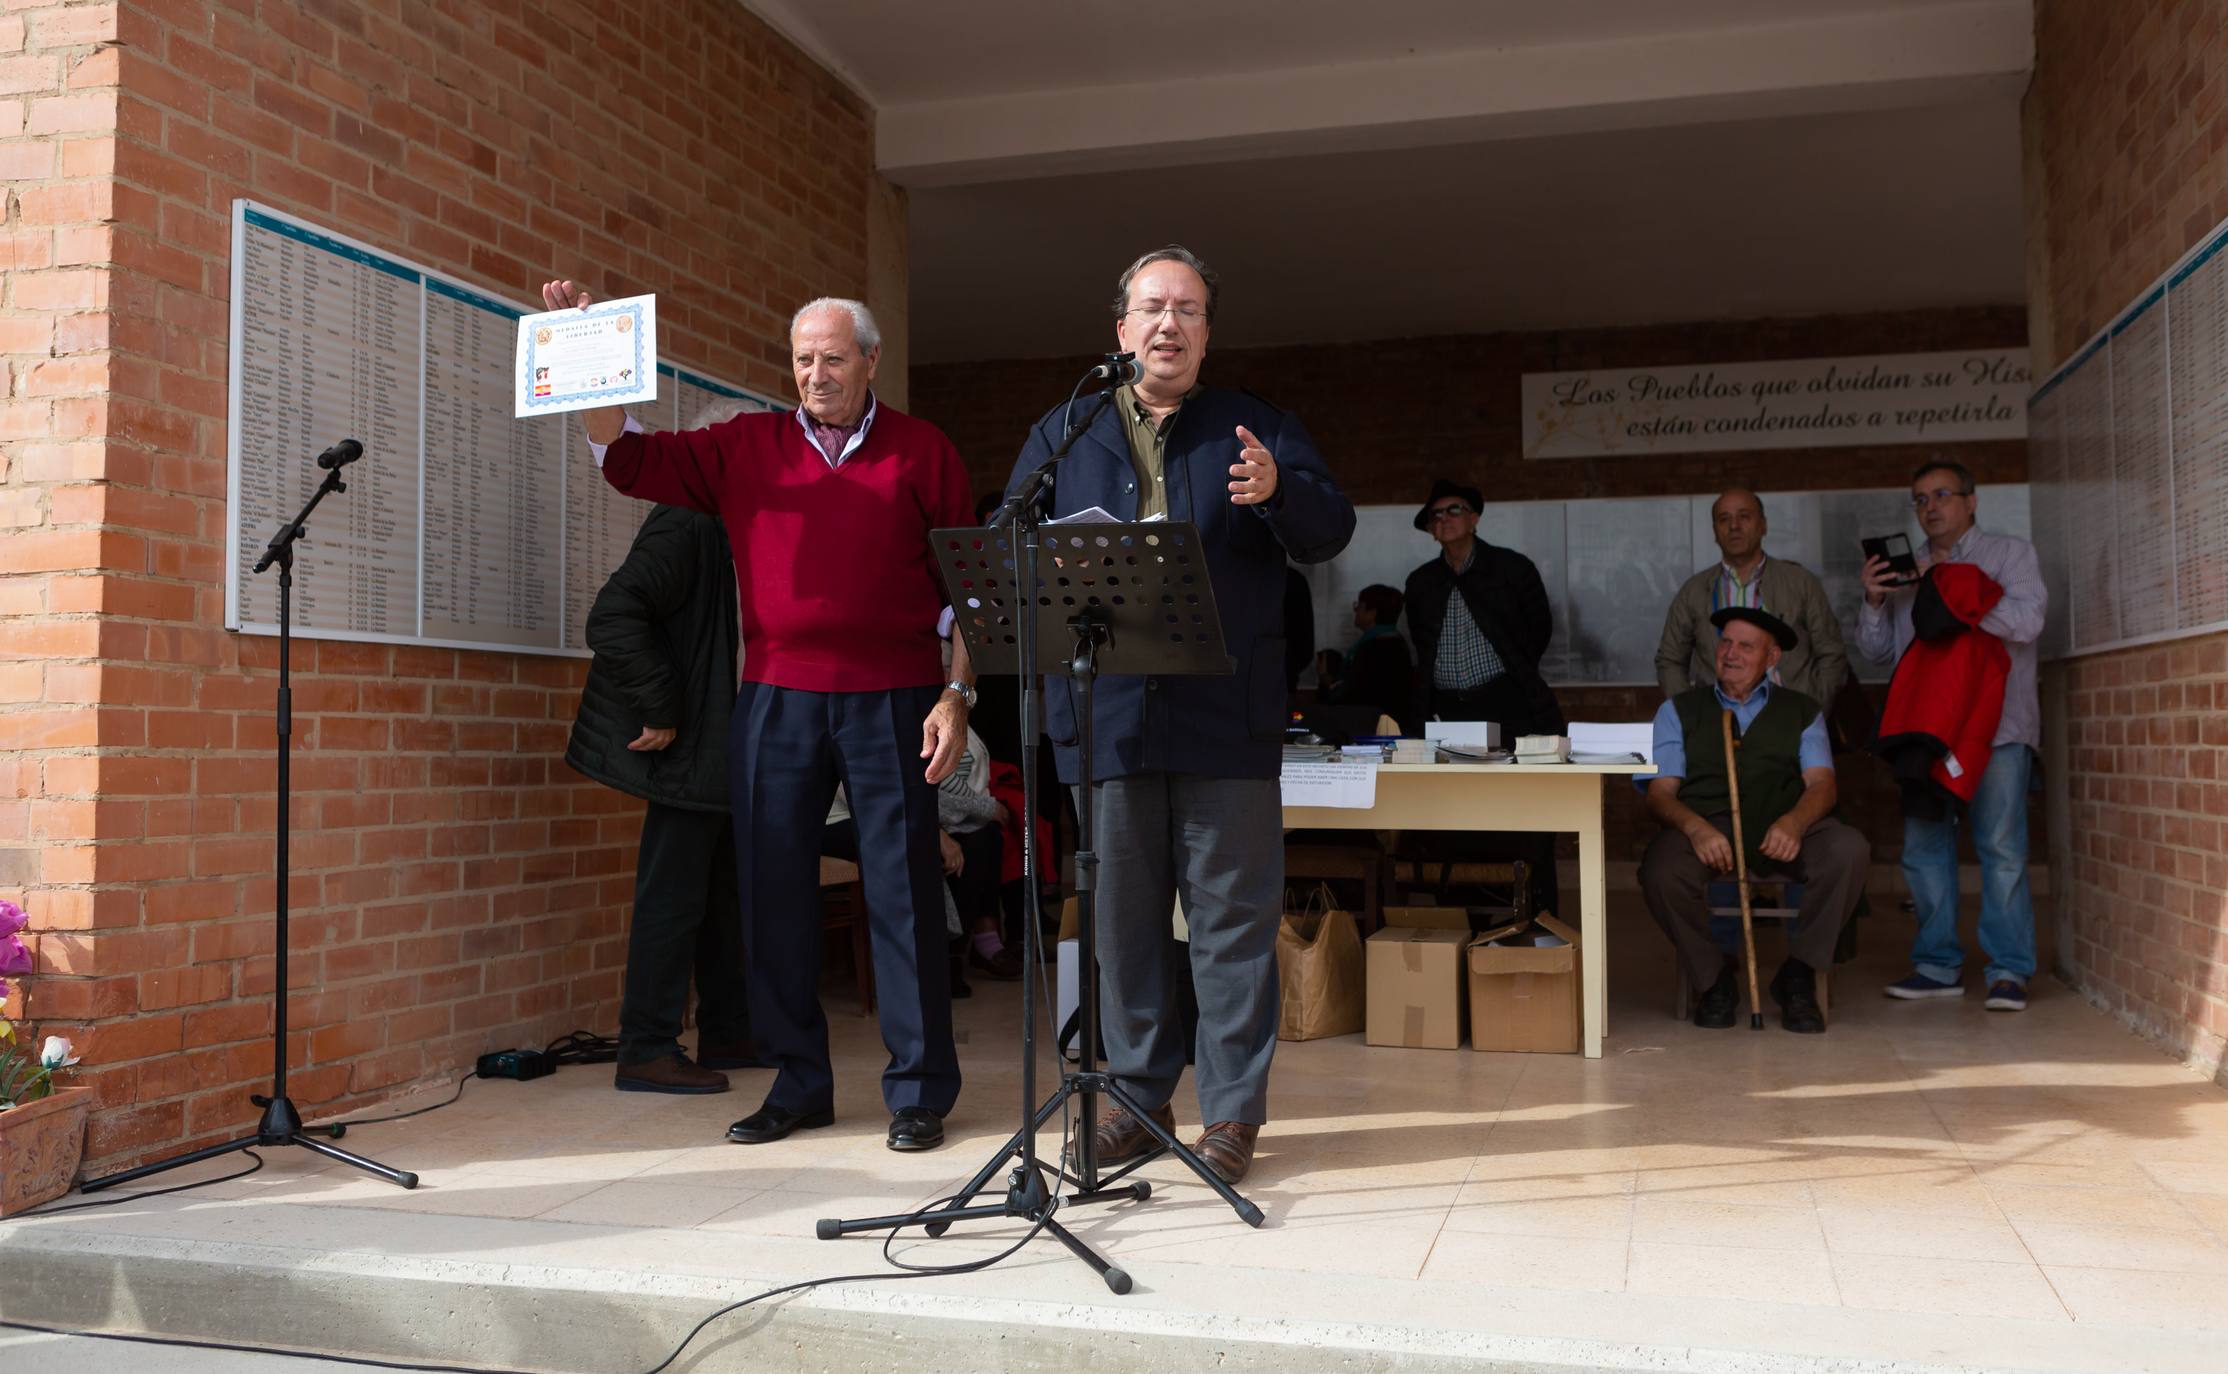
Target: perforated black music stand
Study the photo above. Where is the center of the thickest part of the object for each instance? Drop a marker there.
(1130, 599)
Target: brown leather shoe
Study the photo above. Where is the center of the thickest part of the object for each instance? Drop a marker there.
(1227, 1148)
(672, 1074)
(1121, 1137)
(729, 1054)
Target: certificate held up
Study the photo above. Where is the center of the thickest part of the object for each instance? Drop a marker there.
(604, 354)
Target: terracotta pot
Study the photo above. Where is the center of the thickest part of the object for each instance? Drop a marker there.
(41, 1145)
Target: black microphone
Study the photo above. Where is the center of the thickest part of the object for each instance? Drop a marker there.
(1119, 368)
(341, 454)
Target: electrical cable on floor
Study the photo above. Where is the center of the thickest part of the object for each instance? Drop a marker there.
(50, 1209)
(337, 1126)
(583, 1048)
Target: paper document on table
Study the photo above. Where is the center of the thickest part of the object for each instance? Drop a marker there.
(1349, 783)
(1612, 741)
(605, 354)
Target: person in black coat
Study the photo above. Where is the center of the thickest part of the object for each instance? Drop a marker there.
(1299, 630)
(1480, 620)
(653, 724)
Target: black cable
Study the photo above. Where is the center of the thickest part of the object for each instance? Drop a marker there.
(581, 1042)
(398, 1116)
(49, 1209)
(281, 1351)
(583, 1047)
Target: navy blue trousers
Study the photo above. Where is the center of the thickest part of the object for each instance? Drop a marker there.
(787, 750)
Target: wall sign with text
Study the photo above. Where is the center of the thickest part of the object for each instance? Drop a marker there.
(1894, 398)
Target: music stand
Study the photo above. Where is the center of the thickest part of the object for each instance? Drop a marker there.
(1133, 599)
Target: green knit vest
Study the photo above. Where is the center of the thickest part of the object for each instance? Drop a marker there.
(1770, 753)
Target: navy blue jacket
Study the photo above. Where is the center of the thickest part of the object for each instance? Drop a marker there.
(1227, 726)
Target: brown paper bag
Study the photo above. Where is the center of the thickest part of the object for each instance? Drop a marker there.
(1320, 971)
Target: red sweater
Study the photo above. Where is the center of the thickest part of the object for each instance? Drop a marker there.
(834, 578)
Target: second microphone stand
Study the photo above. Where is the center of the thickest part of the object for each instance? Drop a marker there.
(281, 1123)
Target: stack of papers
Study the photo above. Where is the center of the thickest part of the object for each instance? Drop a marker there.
(1472, 736)
(1612, 742)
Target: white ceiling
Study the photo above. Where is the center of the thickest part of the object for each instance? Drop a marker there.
(1445, 166)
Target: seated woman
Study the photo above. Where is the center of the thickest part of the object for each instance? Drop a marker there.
(1378, 671)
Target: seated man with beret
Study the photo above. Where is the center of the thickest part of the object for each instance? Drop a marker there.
(1787, 794)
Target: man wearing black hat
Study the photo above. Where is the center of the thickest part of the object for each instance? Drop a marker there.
(1479, 618)
(1786, 787)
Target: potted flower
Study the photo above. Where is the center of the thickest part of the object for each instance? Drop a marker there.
(42, 1127)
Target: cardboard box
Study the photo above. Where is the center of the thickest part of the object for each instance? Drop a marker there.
(1069, 920)
(1415, 978)
(1525, 998)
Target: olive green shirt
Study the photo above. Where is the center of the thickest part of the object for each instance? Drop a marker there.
(1686, 656)
(1148, 450)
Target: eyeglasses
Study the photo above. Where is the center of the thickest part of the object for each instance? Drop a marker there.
(1450, 512)
(1185, 314)
(1920, 500)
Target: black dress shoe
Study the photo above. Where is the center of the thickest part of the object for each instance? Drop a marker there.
(771, 1123)
(915, 1128)
(1795, 988)
(1713, 1010)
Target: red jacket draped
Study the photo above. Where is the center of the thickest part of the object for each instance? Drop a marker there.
(1947, 695)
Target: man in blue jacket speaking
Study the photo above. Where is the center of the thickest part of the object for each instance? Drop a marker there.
(1185, 768)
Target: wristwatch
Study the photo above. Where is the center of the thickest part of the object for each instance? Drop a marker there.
(966, 691)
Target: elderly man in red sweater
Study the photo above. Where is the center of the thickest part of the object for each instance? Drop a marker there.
(828, 510)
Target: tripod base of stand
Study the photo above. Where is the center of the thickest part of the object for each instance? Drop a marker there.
(1028, 1199)
(281, 1125)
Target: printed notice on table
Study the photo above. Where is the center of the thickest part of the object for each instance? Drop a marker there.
(1348, 783)
(603, 355)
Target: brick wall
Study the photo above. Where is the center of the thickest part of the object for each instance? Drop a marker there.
(2129, 111)
(2147, 864)
(2124, 124)
(455, 887)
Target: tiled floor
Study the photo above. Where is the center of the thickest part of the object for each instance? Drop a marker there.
(1921, 1161)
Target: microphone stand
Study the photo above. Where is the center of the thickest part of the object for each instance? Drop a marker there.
(281, 1123)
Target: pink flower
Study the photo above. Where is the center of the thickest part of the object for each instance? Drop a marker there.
(15, 958)
(12, 918)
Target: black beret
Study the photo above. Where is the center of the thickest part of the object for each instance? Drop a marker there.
(1764, 620)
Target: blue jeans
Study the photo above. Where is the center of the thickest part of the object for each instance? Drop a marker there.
(1998, 818)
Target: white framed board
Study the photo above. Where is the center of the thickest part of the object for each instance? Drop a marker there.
(1611, 566)
(461, 527)
(2130, 468)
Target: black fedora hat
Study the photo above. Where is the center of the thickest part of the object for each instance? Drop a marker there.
(1780, 631)
(1442, 489)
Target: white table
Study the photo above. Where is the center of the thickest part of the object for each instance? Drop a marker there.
(1505, 796)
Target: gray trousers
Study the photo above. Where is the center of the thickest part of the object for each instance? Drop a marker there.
(1831, 867)
(1220, 843)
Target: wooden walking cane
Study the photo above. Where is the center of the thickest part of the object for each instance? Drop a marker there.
(1740, 873)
